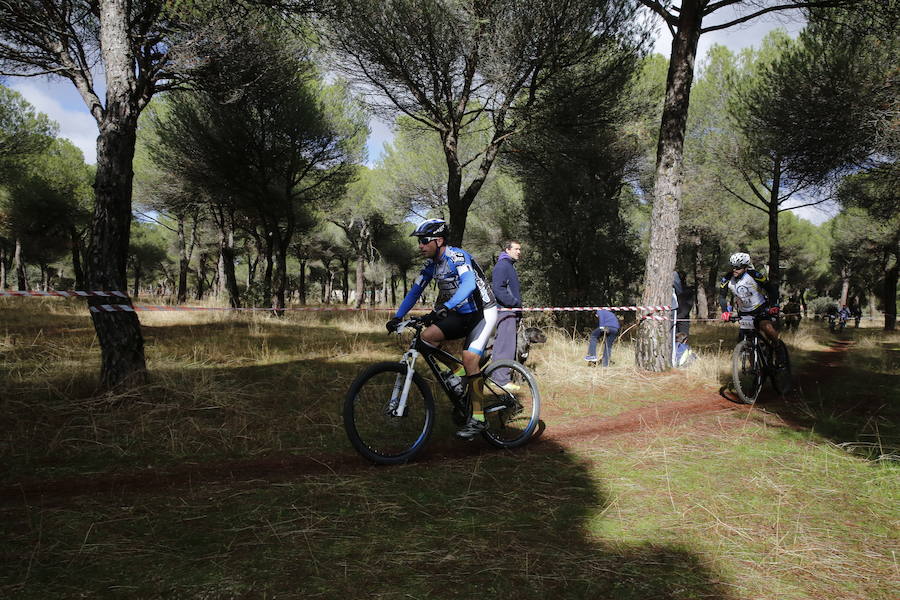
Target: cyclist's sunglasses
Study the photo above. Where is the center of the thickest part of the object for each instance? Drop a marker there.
(426, 240)
(738, 267)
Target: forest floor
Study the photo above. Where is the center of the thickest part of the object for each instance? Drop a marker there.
(229, 474)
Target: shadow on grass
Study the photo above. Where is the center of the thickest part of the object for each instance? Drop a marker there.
(236, 480)
(523, 524)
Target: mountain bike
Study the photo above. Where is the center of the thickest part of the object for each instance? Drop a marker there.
(389, 410)
(754, 360)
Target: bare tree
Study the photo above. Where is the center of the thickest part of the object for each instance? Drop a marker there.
(447, 63)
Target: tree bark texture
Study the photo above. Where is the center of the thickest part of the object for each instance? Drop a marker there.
(228, 279)
(774, 245)
(184, 260)
(360, 280)
(302, 282)
(345, 280)
(281, 273)
(653, 350)
(19, 267)
(119, 333)
(845, 285)
(77, 269)
(890, 296)
(2, 269)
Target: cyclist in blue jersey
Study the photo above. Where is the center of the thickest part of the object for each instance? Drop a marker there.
(754, 295)
(465, 308)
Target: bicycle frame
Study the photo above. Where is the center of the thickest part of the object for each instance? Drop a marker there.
(431, 356)
(760, 345)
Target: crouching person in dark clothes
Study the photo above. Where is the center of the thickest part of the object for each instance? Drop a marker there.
(607, 328)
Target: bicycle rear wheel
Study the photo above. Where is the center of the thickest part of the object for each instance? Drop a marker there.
(373, 429)
(512, 416)
(781, 371)
(746, 369)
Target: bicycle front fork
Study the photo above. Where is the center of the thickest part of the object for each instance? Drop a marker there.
(400, 393)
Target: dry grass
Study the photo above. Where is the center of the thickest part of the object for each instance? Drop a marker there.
(723, 505)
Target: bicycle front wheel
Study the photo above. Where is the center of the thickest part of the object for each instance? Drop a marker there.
(512, 413)
(370, 418)
(746, 369)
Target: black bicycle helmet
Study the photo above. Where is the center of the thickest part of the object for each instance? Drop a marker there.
(432, 228)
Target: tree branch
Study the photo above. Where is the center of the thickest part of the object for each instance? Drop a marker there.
(751, 16)
(661, 10)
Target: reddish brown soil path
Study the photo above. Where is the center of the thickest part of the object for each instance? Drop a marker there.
(256, 472)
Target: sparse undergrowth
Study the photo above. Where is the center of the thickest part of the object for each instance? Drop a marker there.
(728, 502)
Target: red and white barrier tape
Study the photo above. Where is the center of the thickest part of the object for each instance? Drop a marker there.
(166, 307)
(61, 293)
(592, 308)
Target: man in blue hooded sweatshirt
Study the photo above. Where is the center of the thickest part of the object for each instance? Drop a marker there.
(505, 285)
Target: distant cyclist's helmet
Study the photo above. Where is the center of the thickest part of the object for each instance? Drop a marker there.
(740, 260)
(431, 228)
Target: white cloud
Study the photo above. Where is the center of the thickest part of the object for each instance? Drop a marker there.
(59, 100)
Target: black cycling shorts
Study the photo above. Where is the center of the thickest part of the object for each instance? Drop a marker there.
(455, 325)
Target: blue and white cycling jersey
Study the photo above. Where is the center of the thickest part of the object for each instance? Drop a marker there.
(751, 290)
(460, 281)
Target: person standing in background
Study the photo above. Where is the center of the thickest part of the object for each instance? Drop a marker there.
(684, 302)
(505, 285)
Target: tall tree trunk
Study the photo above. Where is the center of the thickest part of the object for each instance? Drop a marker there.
(302, 289)
(202, 263)
(227, 277)
(77, 268)
(281, 275)
(393, 289)
(329, 284)
(184, 260)
(405, 286)
(653, 350)
(45, 277)
(360, 280)
(345, 279)
(19, 267)
(774, 245)
(270, 268)
(890, 295)
(3, 275)
(137, 279)
(118, 333)
(701, 304)
(845, 284)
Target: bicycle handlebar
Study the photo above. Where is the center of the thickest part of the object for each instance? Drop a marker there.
(417, 323)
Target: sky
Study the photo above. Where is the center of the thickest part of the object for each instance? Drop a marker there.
(59, 100)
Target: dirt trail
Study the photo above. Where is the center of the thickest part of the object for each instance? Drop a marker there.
(254, 472)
